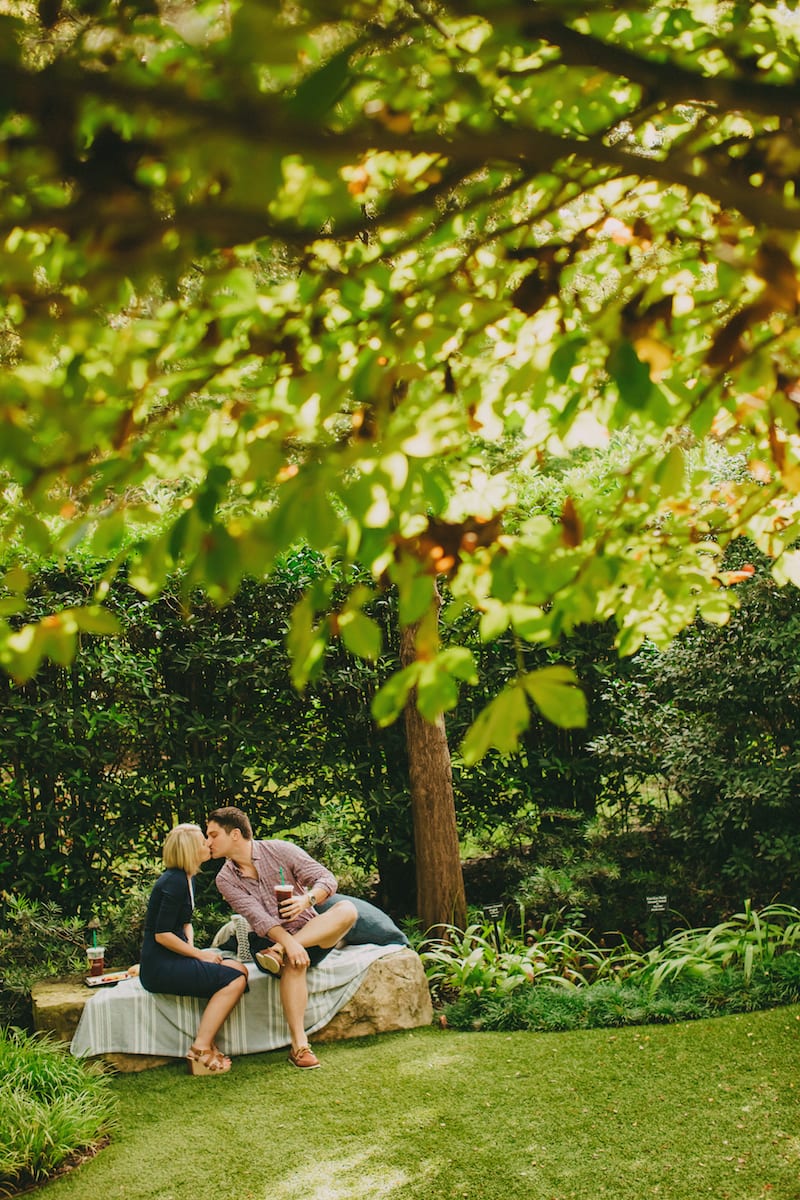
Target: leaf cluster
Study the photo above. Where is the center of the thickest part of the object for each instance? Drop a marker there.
(279, 277)
(564, 980)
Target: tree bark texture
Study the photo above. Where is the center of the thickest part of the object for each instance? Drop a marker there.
(441, 899)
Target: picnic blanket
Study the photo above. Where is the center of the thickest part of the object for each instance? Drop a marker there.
(126, 1019)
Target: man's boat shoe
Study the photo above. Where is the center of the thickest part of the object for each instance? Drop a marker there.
(305, 1058)
(270, 960)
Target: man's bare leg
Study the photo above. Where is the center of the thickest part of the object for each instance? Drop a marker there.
(325, 931)
(294, 998)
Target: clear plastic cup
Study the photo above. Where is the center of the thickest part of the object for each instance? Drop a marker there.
(96, 956)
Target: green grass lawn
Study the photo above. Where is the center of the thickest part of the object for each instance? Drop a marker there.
(702, 1109)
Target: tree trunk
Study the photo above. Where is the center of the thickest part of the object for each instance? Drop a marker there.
(440, 881)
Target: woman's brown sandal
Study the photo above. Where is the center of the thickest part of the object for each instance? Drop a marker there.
(207, 1062)
(225, 1057)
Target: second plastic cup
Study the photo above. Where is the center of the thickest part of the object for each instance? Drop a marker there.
(96, 956)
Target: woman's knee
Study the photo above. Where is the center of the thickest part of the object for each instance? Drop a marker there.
(237, 985)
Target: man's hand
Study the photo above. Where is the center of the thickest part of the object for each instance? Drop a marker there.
(295, 954)
(292, 907)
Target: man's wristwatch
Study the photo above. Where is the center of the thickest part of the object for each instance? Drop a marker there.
(312, 900)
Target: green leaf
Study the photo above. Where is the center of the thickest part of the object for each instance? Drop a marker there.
(11, 605)
(531, 622)
(60, 640)
(109, 534)
(16, 579)
(437, 690)
(220, 565)
(460, 662)
(414, 588)
(494, 620)
(786, 569)
(361, 635)
(21, 652)
(305, 642)
(555, 692)
(389, 702)
(631, 375)
(498, 726)
(319, 91)
(670, 473)
(96, 619)
(565, 357)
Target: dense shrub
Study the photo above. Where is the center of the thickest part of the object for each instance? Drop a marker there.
(704, 750)
(37, 941)
(183, 712)
(546, 1007)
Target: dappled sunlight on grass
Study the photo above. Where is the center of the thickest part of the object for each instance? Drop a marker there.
(434, 1059)
(708, 1110)
(340, 1177)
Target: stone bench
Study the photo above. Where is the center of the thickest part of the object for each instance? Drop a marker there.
(393, 995)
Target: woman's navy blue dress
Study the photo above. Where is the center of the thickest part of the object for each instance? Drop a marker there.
(162, 970)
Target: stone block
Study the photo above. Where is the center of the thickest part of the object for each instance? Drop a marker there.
(393, 995)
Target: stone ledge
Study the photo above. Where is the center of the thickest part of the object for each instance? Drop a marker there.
(393, 996)
(57, 1006)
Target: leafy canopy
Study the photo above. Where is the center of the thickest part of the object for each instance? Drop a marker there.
(357, 275)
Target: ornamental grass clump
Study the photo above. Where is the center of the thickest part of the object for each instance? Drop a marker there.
(748, 941)
(470, 961)
(562, 980)
(53, 1108)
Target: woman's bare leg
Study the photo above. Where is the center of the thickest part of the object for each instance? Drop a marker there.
(219, 1006)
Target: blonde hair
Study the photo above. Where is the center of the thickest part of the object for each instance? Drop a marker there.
(182, 848)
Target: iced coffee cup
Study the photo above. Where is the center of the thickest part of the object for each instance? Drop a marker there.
(283, 891)
(96, 956)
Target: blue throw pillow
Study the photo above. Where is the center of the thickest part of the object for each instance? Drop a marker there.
(373, 926)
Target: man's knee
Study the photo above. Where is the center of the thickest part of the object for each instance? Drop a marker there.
(347, 913)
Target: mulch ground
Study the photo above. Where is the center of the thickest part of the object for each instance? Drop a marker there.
(26, 1184)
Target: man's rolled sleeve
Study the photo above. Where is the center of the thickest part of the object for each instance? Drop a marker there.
(243, 902)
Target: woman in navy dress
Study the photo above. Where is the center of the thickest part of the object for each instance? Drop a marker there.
(170, 961)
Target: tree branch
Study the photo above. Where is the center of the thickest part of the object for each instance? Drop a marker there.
(665, 78)
(266, 120)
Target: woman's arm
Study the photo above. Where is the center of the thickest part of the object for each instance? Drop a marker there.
(171, 941)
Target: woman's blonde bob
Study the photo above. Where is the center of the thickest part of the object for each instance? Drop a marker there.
(183, 848)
